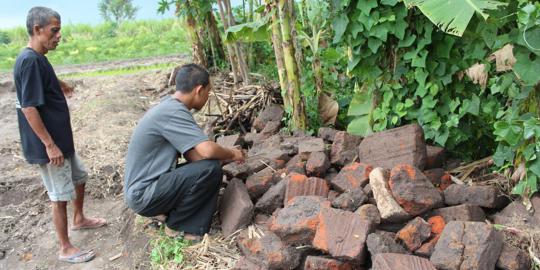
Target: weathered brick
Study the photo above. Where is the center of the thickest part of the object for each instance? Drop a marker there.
(352, 176)
(467, 245)
(414, 233)
(251, 138)
(261, 146)
(344, 148)
(516, 215)
(317, 164)
(513, 258)
(297, 164)
(342, 234)
(229, 141)
(384, 242)
(244, 264)
(301, 185)
(332, 195)
(290, 145)
(403, 145)
(350, 200)
(390, 261)
(268, 250)
(236, 208)
(261, 219)
(412, 190)
(323, 263)
(484, 196)
(371, 213)
(435, 157)
(389, 209)
(427, 248)
(462, 212)
(274, 158)
(310, 145)
(270, 129)
(273, 198)
(327, 133)
(368, 191)
(235, 169)
(439, 178)
(273, 112)
(257, 184)
(297, 222)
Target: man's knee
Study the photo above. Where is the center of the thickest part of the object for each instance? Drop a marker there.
(214, 166)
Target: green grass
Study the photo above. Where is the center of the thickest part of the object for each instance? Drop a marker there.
(167, 250)
(83, 43)
(118, 71)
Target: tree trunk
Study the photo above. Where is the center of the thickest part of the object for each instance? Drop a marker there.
(230, 50)
(298, 55)
(237, 46)
(197, 48)
(278, 50)
(215, 36)
(298, 112)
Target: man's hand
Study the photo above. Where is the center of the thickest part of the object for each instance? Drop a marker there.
(55, 155)
(238, 155)
(68, 90)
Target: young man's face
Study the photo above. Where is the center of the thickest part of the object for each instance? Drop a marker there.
(49, 35)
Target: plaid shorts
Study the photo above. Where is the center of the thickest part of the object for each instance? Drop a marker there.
(60, 181)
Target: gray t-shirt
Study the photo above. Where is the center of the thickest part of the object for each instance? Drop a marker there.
(165, 131)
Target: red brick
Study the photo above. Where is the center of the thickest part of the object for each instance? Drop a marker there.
(236, 208)
(272, 199)
(427, 248)
(257, 184)
(310, 145)
(412, 190)
(322, 263)
(273, 112)
(403, 145)
(297, 222)
(350, 200)
(342, 234)
(439, 178)
(244, 264)
(317, 164)
(297, 164)
(463, 212)
(352, 176)
(327, 133)
(384, 242)
(513, 258)
(435, 157)
(344, 148)
(274, 158)
(437, 224)
(268, 251)
(414, 233)
(301, 185)
(484, 196)
(260, 146)
(392, 261)
(371, 213)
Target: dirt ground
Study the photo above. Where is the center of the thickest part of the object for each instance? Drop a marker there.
(104, 112)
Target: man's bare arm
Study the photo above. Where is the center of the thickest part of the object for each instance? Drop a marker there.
(212, 150)
(68, 90)
(36, 123)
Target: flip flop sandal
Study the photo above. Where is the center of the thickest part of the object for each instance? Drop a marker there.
(100, 223)
(79, 257)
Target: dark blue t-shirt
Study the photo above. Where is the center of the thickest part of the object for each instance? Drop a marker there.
(37, 86)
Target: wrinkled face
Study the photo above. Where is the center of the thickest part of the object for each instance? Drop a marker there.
(202, 97)
(49, 36)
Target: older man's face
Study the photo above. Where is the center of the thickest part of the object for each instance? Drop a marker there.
(49, 35)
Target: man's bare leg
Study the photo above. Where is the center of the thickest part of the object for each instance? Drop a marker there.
(59, 213)
(79, 220)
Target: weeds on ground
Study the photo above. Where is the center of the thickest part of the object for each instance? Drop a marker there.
(166, 250)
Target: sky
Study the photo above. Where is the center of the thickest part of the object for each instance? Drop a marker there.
(13, 13)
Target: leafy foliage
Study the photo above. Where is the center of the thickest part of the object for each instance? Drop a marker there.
(117, 11)
(167, 250)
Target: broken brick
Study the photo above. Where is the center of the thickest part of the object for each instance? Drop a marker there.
(435, 157)
(342, 234)
(390, 261)
(310, 145)
(273, 112)
(371, 213)
(297, 222)
(327, 133)
(244, 264)
(332, 195)
(317, 164)
(260, 146)
(467, 245)
(273, 198)
(516, 214)
(412, 190)
(439, 178)
(437, 224)
(268, 250)
(257, 184)
(427, 248)
(352, 176)
(261, 219)
(343, 149)
(484, 196)
(274, 158)
(368, 191)
(228, 141)
(414, 233)
(323, 263)
(236, 208)
(301, 185)
(513, 258)
(462, 212)
(350, 200)
(384, 242)
(386, 149)
(388, 207)
(297, 164)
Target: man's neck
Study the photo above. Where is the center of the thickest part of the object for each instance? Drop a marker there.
(183, 98)
(36, 46)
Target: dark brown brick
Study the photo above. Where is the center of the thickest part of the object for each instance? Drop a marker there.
(274, 158)
(350, 200)
(435, 157)
(297, 222)
(271, 128)
(513, 258)
(352, 176)
(515, 214)
(244, 264)
(462, 212)
(273, 112)
(301, 185)
(344, 148)
(229, 141)
(467, 245)
(384, 242)
(297, 164)
(317, 164)
(332, 195)
(342, 234)
(368, 191)
(273, 198)
(484, 196)
(257, 184)
(390, 261)
(414, 233)
(327, 133)
(371, 213)
(261, 146)
(427, 247)
(236, 208)
(413, 191)
(323, 263)
(268, 251)
(403, 145)
(310, 145)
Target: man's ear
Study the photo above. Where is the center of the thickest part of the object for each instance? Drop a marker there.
(198, 89)
(35, 29)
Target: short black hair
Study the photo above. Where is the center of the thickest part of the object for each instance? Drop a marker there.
(40, 16)
(190, 76)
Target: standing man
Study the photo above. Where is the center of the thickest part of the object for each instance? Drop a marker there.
(45, 129)
(154, 184)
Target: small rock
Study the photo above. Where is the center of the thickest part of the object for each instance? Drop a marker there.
(435, 157)
(273, 112)
(327, 133)
(462, 212)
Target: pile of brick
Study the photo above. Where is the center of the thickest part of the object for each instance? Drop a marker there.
(338, 201)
